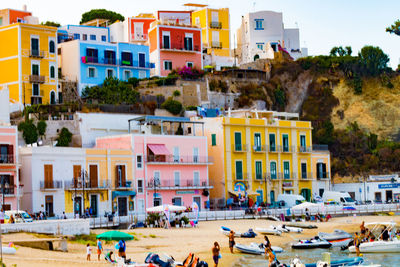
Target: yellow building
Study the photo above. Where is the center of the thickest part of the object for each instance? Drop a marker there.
(28, 63)
(264, 156)
(215, 29)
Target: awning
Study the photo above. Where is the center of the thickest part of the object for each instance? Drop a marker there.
(249, 193)
(158, 149)
(123, 194)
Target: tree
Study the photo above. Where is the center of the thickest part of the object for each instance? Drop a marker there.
(373, 60)
(395, 28)
(176, 93)
(51, 23)
(41, 128)
(173, 106)
(64, 138)
(339, 51)
(101, 14)
(29, 131)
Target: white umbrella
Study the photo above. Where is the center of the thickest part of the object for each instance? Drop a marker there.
(171, 208)
(306, 205)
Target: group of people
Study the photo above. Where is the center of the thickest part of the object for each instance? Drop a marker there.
(367, 236)
(108, 257)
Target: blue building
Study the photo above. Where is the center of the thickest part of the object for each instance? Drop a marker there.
(90, 62)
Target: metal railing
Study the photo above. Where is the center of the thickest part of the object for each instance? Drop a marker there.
(287, 149)
(215, 25)
(102, 184)
(259, 149)
(171, 159)
(126, 185)
(216, 45)
(244, 176)
(188, 183)
(55, 184)
(239, 148)
(305, 149)
(180, 47)
(259, 176)
(139, 37)
(8, 190)
(320, 148)
(36, 53)
(6, 159)
(274, 149)
(306, 175)
(37, 78)
(323, 175)
(115, 62)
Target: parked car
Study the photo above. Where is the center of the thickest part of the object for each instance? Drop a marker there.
(20, 216)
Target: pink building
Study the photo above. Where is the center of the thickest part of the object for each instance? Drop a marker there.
(171, 163)
(9, 167)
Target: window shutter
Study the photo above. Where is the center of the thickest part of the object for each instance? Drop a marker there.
(93, 176)
(10, 154)
(116, 176)
(123, 179)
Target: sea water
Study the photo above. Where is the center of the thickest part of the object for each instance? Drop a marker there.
(314, 255)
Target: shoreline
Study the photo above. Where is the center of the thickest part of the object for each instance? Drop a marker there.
(178, 242)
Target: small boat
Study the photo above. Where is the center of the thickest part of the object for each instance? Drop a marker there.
(268, 231)
(315, 242)
(249, 234)
(336, 235)
(301, 225)
(339, 263)
(290, 229)
(9, 250)
(255, 249)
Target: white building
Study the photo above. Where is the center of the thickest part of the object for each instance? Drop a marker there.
(260, 35)
(83, 33)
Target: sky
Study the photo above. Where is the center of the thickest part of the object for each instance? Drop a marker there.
(323, 23)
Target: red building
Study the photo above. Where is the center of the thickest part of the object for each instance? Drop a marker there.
(139, 27)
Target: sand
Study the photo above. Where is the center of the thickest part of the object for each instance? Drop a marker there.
(177, 242)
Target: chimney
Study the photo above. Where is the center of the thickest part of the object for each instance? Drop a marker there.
(24, 8)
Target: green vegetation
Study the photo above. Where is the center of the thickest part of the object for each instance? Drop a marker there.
(169, 80)
(86, 239)
(41, 128)
(101, 14)
(173, 106)
(64, 137)
(394, 28)
(218, 85)
(29, 131)
(152, 218)
(152, 236)
(176, 93)
(51, 23)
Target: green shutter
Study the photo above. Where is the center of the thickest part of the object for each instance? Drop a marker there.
(239, 170)
(273, 170)
(213, 139)
(257, 142)
(286, 170)
(238, 141)
(285, 141)
(258, 170)
(272, 142)
(302, 140)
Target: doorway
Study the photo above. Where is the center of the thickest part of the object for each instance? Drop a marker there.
(389, 195)
(306, 193)
(157, 202)
(93, 205)
(198, 201)
(78, 206)
(49, 206)
(122, 207)
(142, 60)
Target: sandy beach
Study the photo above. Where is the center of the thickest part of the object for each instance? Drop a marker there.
(176, 242)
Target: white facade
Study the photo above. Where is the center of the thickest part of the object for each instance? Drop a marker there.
(119, 31)
(260, 34)
(87, 33)
(4, 106)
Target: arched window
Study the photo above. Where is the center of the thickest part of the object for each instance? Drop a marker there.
(52, 72)
(256, 57)
(52, 47)
(52, 98)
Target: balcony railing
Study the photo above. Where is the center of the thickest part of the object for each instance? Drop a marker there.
(239, 148)
(259, 176)
(215, 25)
(287, 149)
(36, 53)
(259, 149)
(320, 148)
(272, 176)
(287, 176)
(306, 175)
(51, 185)
(305, 149)
(185, 184)
(6, 159)
(216, 45)
(171, 159)
(323, 175)
(274, 149)
(37, 79)
(126, 185)
(8, 190)
(102, 184)
(139, 37)
(244, 176)
(180, 47)
(115, 62)
(36, 99)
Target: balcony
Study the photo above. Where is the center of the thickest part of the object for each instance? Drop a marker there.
(8, 190)
(306, 176)
(36, 99)
(51, 185)
(274, 149)
(287, 176)
(37, 79)
(136, 64)
(102, 184)
(287, 149)
(215, 25)
(239, 148)
(6, 159)
(259, 177)
(272, 176)
(185, 160)
(115, 62)
(320, 148)
(217, 45)
(240, 176)
(139, 37)
(259, 149)
(323, 175)
(180, 47)
(123, 186)
(305, 149)
(36, 53)
(183, 184)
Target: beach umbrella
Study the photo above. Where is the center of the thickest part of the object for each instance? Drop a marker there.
(115, 235)
(162, 208)
(349, 208)
(306, 205)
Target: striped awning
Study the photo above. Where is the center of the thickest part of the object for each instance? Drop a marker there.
(158, 149)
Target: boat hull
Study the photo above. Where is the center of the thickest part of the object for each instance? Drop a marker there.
(254, 249)
(378, 247)
(340, 242)
(267, 231)
(339, 263)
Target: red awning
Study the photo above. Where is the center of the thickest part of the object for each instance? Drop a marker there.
(158, 149)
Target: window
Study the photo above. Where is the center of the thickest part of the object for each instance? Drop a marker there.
(142, 60)
(302, 143)
(1, 21)
(273, 170)
(77, 36)
(6, 154)
(92, 55)
(139, 161)
(257, 142)
(304, 170)
(259, 24)
(109, 57)
(48, 176)
(272, 146)
(157, 178)
(77, 174)
(93, 37)
(238, 141)
(177, 178)
(84, 37)
(272, 196)
(189, 65)
(35, 89)
(8, 184)
(35, 69)
(93, 175)
(196, 178)
(213, 139)
(120, 176)
(285, 142)
(52, 47)
(110, 73)
(239, 170)
(260, 196)
(52, 98)
(52, 72)
(258, 170)
(195, 154)
(260, 46)
(91, 72)
(103, 38)
(166, 41)
(126, 58)
(188, 42)
(167, 65)
(140, 186)
(286, 170)
(176, 154)
(321, 170)
(177, 201)
(127, 75)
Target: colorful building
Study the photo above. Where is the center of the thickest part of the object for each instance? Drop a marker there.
(174, 43)
(132, 30)
(264, 156)
(10, 16)
(84, 33)
(28, 62)
(90, 62)
(171, 162)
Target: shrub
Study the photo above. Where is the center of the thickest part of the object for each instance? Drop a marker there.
(191, 108)
(64, 138)
(133, 81)
(152, 218)
(41, 127)
(173, 106)
(169, 80)
(189, 73)
(29, 132)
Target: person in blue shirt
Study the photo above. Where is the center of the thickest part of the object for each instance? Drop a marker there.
(99, 248)
(122, 248)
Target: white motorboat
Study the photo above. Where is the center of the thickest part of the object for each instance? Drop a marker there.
(378, 246)
(291, 229)
(312, 243)
(336, 235)
(226, 231)
(256, 249)
(268, 231)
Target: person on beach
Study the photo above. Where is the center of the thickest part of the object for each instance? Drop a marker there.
(215, 252)
(99, 248)
(357, 243)
(122, 248)
(11, 220)
(362, 230)
(385, 234)
(267, 244)
(271, 258)
(231, 240)
(2, 216)
(88, 252)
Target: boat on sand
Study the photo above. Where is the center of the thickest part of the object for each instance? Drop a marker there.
(268, 231)
(315, 242)
(256, 249)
